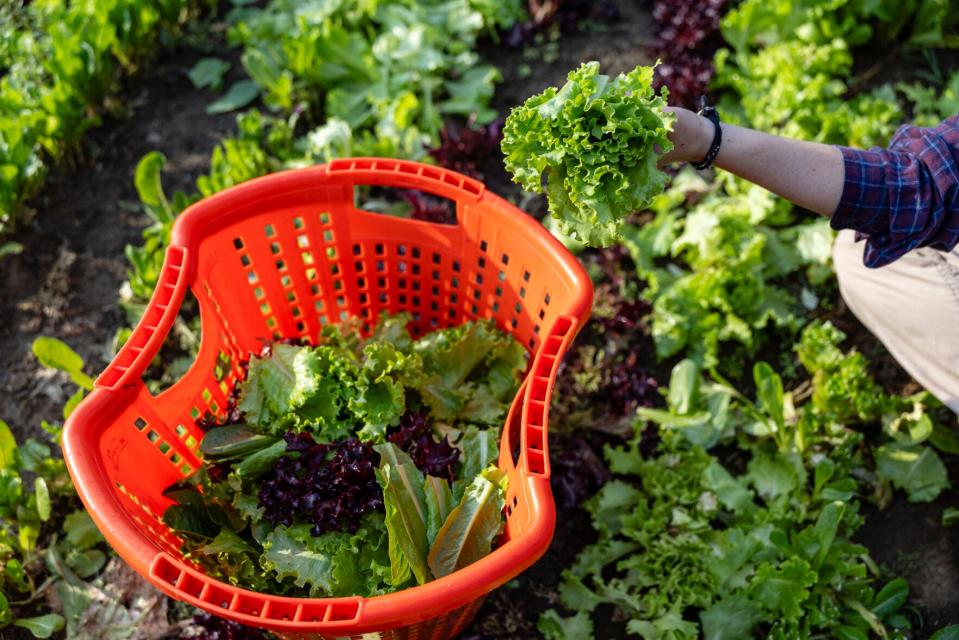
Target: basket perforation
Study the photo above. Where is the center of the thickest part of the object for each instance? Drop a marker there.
(163, 537)
(299, 239)
(172, 451)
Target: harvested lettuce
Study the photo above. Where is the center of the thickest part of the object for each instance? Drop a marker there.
(470, 529)
(596, 141)
(360, 467)
(406, 514)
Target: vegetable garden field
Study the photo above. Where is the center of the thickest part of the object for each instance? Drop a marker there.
(731, 453)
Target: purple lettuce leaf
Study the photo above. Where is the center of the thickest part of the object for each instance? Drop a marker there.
(465, 148)
(414, 435)
(330, 486)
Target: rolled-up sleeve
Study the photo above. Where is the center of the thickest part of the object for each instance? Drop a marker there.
(905, 196)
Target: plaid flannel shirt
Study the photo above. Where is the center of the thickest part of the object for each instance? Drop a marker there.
(905, 196)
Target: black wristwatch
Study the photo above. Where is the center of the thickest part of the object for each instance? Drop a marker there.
(710, 112)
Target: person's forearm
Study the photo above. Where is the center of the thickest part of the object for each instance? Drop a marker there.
(807, 173)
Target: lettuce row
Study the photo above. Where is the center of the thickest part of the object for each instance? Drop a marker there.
(693, 542)
(58, 61)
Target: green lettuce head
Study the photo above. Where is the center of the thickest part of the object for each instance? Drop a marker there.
(597, 142)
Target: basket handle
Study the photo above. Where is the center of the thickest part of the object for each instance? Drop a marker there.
(136, 354)
(405, 174)
(534, 449)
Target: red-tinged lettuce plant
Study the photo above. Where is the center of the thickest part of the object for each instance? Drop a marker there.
(414, 434)
(687, 36)
(687, 25)
(605, 377)
(569, 16)
(332, 485)
(686, 75)
(603, 380)
(428, 208)
(465, 148)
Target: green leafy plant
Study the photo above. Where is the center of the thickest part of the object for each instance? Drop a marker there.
(690, 547)
(47, 543)
(208, 72)
(391, 71)
(241, 94)
(730, 256)
(595, 143)
(843, 391)
(24, 513)
(50, 94)
(931, 105)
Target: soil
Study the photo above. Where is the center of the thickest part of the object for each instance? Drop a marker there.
(66, 281)
(910, 541)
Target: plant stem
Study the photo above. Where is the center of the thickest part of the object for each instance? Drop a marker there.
(37, 593)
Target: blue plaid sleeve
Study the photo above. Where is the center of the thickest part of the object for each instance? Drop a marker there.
(905, 196)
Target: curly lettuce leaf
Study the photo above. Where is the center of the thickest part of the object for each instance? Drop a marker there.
(232, 558)
(334, 564)
(471, 372)
(333, 387)
(291, 552)
(555, 627)
(784, 587)
(731, 618)
(597, 141)
(381, 386)
(278, 384)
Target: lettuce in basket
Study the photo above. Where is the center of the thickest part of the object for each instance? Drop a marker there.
(361, 466)
(595, 144)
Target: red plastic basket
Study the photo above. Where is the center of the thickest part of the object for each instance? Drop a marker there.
(279, 257)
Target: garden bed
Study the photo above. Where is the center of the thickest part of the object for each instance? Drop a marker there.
(66, 281)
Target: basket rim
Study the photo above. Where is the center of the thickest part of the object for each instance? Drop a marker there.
(371, 613)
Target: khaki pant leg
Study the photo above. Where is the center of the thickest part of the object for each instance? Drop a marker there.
(912, 306)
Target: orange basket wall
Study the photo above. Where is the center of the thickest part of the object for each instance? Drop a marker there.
(279, 257)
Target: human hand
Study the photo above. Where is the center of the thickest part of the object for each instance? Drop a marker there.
(691, 136)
